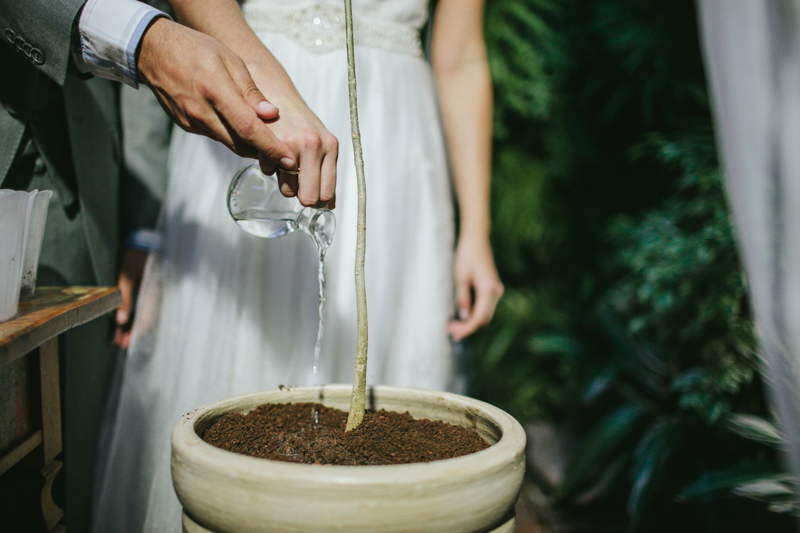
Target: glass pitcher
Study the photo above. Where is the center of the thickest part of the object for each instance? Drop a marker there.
(257, 205)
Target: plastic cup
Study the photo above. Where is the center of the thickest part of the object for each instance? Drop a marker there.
(13, 216)
(37, 216)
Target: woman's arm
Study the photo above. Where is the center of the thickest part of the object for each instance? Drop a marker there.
(315, 147)
(465, 93)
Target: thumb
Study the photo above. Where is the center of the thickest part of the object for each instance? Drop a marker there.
(255, 99)
(263, 108)
(251, 93)
(262, 139)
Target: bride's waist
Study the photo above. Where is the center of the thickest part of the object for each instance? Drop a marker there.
(320, 27)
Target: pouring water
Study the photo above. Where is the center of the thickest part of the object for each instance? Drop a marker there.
(258, 207)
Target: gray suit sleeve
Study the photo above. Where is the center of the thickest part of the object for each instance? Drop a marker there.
(146, 133)
(41, 31)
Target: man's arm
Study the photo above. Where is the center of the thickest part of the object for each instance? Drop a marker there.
(207, 90)
(201, 84)
(210, 91)
(40, 30)
(107, 35)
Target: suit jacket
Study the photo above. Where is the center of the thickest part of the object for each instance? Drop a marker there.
(60, 132)
(74, 125)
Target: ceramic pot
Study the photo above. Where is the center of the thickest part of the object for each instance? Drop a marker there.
(224, 492)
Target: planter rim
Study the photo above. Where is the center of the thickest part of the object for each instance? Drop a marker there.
(194, 449)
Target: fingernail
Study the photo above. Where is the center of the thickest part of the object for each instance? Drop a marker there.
(463, 314)
(122, 317)
(265, 107)
(287, 162)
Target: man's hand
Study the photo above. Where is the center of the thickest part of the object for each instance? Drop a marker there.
(130, 277)
(207, 89)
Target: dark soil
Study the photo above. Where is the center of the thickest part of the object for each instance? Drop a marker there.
(287, 432)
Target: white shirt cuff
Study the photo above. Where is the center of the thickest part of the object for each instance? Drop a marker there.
(109, 33)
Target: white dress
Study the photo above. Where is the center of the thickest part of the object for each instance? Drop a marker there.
(223, 313)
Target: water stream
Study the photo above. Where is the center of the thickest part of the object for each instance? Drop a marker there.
(317, 224)
(321, 324)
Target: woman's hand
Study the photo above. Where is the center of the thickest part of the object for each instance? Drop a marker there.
(315, 148)
(475, 273)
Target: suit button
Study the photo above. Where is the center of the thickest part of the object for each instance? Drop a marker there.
(37, 56)
(34, 54)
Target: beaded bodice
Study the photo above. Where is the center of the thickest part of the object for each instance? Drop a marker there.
(318, 25)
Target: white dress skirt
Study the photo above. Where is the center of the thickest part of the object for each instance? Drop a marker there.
(222, 312)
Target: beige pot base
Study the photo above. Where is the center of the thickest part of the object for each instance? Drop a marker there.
(190, 526)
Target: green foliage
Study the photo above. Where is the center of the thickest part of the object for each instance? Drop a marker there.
(522, 44)
(527, 364)
(625, 299)
(718, 483)
(755, 428)
(679, 280)
(530, 361)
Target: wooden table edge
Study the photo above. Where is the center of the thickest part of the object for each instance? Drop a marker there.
(30, 329)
